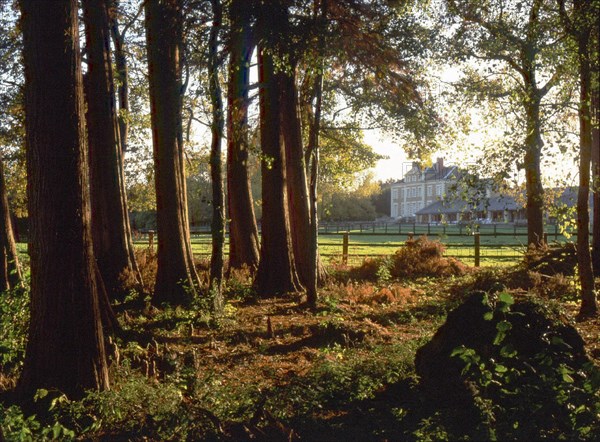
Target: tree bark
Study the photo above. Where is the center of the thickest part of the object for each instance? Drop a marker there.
(176, 278)
(10, 270)
(533, 174)
(595, 93)
(297, 186)
(313, 160)
(122, 73)
(113, 246)
(216, 168)
(589, 305)
(276, 270)
(243, 232)
(65, 350)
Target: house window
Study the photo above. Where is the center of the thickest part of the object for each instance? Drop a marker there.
(429, 190)
(394, 194)
(438, 189)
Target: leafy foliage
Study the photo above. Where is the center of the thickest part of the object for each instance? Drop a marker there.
(14, 322)
(521, 396)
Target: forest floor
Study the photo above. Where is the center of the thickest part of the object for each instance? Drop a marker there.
(272, 370)
(268, 369)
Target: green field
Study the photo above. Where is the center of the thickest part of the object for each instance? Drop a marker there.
(502, 249)
(499, 244)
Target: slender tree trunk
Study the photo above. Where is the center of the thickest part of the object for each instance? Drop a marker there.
(584, 259)
(111, 233)
(243, 232)
(596, 190)
(216, 168)
(313, 155)
(276, 270)
(176, 277)
(10, 271)
(533, 175)
(65, 350)
(297, 186)
(595, 93)
(122, 73)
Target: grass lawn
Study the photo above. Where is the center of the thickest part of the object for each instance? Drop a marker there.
(502, 249)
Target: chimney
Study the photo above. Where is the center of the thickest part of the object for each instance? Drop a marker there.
(440, 164)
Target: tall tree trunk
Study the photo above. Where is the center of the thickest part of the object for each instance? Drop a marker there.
(596, 188)
(10, 271)
(533, 175)
(111, 233)
(176, 277)
(595, 93)
(122, 73)
(243, 232)
(297, 186)
(65, 350)
(313, 160)
(276, 270)
(216, 168)
(589, 305)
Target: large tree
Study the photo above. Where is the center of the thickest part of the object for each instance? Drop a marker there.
(276, 270)
(65, 350)
(243, 232)
(111, 233)
(517, 39)
(579, 22)
(176, 276)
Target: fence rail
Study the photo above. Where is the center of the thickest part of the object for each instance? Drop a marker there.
(352, 247)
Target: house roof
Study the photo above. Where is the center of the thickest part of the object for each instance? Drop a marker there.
(568, 197)
(494, 204)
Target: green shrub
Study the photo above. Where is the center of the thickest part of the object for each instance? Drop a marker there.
(14, 322)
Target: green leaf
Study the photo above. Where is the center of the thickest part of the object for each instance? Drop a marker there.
(40, 394)
(567, 378)
(508, 351)
(488, 316)
(499, 368)
(56, 430)
(506, 298)
(503, 326)
(458, 351)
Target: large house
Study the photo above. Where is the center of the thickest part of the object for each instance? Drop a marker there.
(448, 194)
(442, 193)
(421, 187)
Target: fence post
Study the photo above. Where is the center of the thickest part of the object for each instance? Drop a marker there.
(477, 249)
(428, 229)
(494, 230)
(345, 248)
(546, 238)
(556, 232)
(399, 227)
(386, 224)
(374, 225)
(151, 239)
